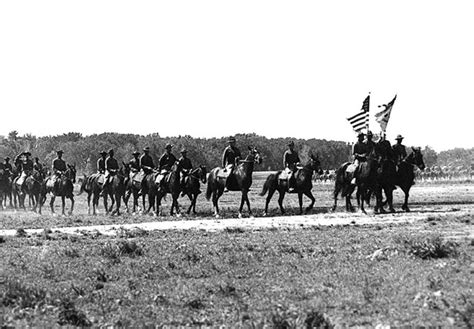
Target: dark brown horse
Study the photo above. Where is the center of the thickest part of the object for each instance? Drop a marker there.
(366, 178)
(63, 188)
(32, 187)
(239, 180)
(132, 188)
(91, 185)
(5, 187)
(192, 186)
(115, 189)
(404, 176)
(303, 177)
(170, 184)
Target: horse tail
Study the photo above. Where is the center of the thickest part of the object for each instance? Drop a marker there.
(83, 184)
(268, 182)
(210, 182)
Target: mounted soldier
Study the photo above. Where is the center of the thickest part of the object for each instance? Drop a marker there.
(147, 166)
(37, 165)
(291, 161)
(230, 157)
(111, 168)
(8, 166)
(167, 160)
(359, 153)
(25, 168)
(384, 149)
(399, 150)
(370, 144)
(184, 167)
(134, 165)
(59, 167)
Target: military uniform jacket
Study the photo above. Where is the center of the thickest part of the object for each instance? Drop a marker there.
(59, 164)
(229, 156)
(111, 164)
(134, 164)
(184, 164)
(167, 160)
(290, 159)
(147, 161)
(370, 146)
(101, 165)
(359, 148)
(385, 150)
(400, 152)
(27, 165)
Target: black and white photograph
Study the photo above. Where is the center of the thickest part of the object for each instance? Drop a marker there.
(236, 164)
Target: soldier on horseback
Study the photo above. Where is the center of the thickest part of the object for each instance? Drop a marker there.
(290, 162)
(147, 165)
(167, 160)
(229, 158)
(59, 168)
(184, 168)
(8, 166)
(111, 168)
(359, 153)
(25, 167)
(37, 165)
(134, 164)
(399, 150)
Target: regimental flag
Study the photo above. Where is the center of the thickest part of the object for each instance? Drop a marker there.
(361, 119)
(383, 116)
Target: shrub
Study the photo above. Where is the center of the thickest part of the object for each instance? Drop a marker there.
(428, 247)
(70, 315)
(18, 294)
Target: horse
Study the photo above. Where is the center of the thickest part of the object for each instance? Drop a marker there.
(18, 191)
(5, 188)
(404, 177)
(303, 185)
(91, 185)
(132, 188)
(63, 188)
(191, 186)
(156, 191)
(366, 178)
(239, 180)
(115, 189)
(32, 187)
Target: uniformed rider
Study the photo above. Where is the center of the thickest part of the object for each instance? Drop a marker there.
(399, 150)
(184, 167)
(230, 157)
(290, 162)
(166, 162)
(59, 168)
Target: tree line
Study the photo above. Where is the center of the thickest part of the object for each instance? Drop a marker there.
(84, 150)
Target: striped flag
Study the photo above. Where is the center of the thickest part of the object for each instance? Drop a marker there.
(383, 116)
(361, 119)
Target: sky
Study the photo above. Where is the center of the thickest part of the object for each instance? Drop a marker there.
(217, 68)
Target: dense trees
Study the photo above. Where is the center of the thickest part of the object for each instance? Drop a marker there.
(84, 150)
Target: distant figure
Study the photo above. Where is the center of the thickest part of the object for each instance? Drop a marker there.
(290, 162)
(37, 165)
(59, 168)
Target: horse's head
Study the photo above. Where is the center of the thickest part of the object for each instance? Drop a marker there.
(315, 164)
(418, 158)
(203, 174)
(71, 172)
(125, 168)
(254, 155)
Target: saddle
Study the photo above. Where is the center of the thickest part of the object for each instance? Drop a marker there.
(224, 172)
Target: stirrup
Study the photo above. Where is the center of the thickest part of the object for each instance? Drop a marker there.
(353, 181)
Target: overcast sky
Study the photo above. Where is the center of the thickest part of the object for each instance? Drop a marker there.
(216, 68)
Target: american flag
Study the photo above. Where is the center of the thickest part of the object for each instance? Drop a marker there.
(383, 116)
(361, 119)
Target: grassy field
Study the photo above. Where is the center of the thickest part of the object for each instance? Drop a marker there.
(423, 196)
(345, 276)
(412, 274)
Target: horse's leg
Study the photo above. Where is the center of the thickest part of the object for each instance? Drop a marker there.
(310, 195)
(215, 203)
(158, 203)
(281, 196)
(106, 204)
(63, 204)
(242, 200)
(89, 203)
(72, 205)
(337, 189)
(247, 201)
(176, 204)
(118, 203)
(95, 203)
(362, 198)
(271, 191)
(300, 202)
(405, 204)
(51, 203)
(192, 199)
